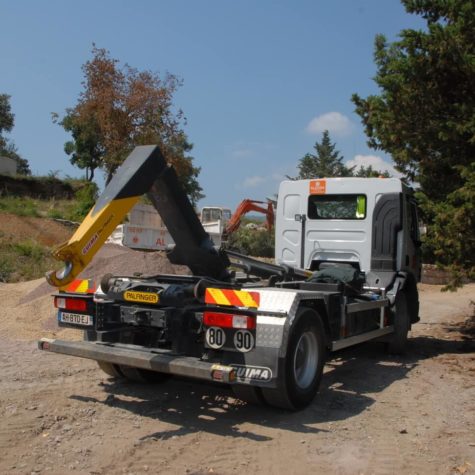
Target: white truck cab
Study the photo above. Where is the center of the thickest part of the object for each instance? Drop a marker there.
(368, 223)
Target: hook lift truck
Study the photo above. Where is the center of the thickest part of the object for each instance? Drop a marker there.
(347, 265)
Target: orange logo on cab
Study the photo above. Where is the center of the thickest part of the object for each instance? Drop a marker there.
(318, 187)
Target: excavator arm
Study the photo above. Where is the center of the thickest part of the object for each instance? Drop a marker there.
(144, 171)
(245, 207)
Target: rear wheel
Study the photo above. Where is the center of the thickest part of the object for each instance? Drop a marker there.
(402, 323)
(412, 296)
(110, 369)
(303, 364)
(130, 373)
(249, 394)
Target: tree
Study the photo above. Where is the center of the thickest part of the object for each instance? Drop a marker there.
(451, 236)
(253, 242)
(121, 107)
(326, 162)
(7, 147)
(85, 149)
(7, 119)
(370, 172)
(424, 117)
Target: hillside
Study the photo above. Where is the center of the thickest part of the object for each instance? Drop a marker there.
(29, 208)
(44, 231)
(25, 246)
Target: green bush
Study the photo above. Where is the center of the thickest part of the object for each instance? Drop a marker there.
(24, 260)
(55, 214)
(19, 206)
(86, 197)
(253, 242)
(29, 249)
(6, 267)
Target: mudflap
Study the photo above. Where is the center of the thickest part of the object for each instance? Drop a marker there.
(259, 367)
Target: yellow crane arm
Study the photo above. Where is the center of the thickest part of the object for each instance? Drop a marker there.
(88, 239)
(134, 178)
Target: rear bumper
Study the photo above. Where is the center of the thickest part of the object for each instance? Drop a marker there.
(140, 357)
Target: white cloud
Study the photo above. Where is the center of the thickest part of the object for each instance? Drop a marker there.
(335, 122)
(376, 162)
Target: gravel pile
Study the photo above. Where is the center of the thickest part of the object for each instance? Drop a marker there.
(27, 311)
(117, 260)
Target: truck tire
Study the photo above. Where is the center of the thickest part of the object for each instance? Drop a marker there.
(397, 342)
(303, 364)
(110, 369)
(249, 394)
(139, 375)
(412, 296)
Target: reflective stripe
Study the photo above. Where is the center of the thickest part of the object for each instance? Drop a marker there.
(229, 297)
(81, 286)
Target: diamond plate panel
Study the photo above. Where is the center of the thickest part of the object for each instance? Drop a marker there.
(276, 300)
(269, 331)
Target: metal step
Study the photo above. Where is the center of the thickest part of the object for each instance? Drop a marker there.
(354, 340)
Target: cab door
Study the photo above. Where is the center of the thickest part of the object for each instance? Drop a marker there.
(290, 224)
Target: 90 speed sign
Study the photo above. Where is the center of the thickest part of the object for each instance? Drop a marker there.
(242, 340)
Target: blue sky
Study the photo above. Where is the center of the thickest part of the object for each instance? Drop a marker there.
(262, 79)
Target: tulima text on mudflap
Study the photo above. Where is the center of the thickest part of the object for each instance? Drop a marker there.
(347, 253)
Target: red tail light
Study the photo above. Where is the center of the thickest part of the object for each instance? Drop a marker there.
(67, 303)
(228, 320)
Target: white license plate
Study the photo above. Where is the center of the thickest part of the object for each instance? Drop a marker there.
(75, 319)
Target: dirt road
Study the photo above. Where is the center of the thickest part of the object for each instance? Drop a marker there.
(374, 414)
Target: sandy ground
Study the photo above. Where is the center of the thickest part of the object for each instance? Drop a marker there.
(374, 414)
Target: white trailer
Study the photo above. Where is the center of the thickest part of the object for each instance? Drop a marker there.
(145, 230)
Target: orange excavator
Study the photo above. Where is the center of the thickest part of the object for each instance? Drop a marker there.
(245, 207)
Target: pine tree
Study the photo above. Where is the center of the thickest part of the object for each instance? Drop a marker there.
(424, 116)
(326, 162)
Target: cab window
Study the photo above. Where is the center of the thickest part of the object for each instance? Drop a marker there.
(337, 207)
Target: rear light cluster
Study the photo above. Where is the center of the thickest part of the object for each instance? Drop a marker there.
(228, 320)
(68, 303)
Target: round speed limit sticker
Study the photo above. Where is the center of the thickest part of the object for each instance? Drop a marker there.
(244, 340)
(215, 337)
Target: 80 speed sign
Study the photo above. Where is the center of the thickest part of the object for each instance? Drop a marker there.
(215, 337)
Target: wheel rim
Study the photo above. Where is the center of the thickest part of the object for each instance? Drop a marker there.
(305, 360)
